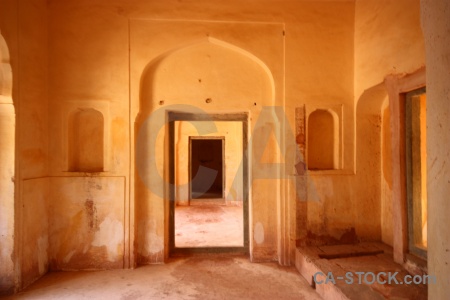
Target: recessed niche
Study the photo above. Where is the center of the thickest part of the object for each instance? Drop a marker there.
(323, 142)
(86, 136)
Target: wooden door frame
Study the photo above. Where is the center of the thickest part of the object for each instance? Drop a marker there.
(397, 86)
(174, 116)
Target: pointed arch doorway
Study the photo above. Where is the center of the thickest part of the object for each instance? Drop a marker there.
(197, 75)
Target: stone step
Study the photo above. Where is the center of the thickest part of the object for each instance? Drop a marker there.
(333, 272)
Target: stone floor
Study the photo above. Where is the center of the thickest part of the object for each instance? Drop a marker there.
(228, 276)
(342, 263)
(206, 224)
(198, 277)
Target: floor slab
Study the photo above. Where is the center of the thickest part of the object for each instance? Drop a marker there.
(362, 271)
(209, 225)
(200, 277)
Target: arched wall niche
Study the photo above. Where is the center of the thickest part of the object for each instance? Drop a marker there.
(202, 69)
(182, 80)
(86, 141)
(323, 140)
(86, 135)
(7, 173)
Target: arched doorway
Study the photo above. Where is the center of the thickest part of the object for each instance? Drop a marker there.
(7, 172)
(199, 79)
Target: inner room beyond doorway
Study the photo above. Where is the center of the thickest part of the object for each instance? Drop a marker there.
(206, 153)
(209, 184)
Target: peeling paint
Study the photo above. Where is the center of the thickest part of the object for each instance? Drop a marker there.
(42, 246)
(152, 243)
(109, 235)
(155, 244)
(258, 233)
(91, 212)
(232, 195)
(69, 256)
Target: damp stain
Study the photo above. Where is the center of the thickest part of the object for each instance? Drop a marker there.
(91, 212)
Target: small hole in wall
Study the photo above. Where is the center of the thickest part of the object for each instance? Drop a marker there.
(208, 100)
(200, 80)
(254, 104)
(161, 102)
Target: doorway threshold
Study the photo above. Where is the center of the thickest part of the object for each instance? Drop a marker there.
(178, 252)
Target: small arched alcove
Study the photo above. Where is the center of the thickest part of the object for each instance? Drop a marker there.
(206, 69)
(323, 140)
(86, 141)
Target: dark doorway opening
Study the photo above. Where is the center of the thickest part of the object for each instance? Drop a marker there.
(206, 153)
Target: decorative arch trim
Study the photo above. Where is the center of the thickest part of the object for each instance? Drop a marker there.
(153, 64)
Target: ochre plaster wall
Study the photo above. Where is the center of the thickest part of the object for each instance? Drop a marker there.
(95, 54)
(235, 73)
(35, 232)
(317, 53)
(387, 234)
(388, 40)
(436, 26)
(86, 223)
(319, 74)
(23, 24)
(94, 45)
(368, 163)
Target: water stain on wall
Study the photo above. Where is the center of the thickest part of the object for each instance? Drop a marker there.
(91, 213)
